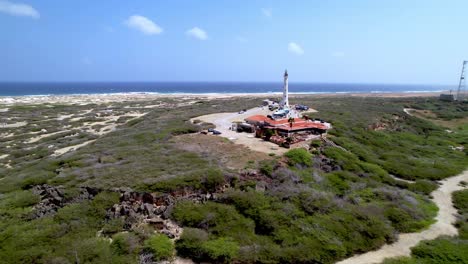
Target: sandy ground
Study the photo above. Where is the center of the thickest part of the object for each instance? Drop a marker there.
(400, 179)
(4, 156)
(407, 111)
(18, 124)
(62, 151)
(110, 98)
(223, 122)
(36, 139)
(445, 219)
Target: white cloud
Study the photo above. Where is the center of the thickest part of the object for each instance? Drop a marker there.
(16, 9)
(338, 54)
(295, 48)
(268, 12)
(197, 32)
(143, 24)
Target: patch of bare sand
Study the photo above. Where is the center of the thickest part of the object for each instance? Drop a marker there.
(223, 122)
(13, 125)
(108, 125)
(4, 156)
(401, 179)
(445, 219)
(63, 117)
(6, 135)
(219, 150)
(62, 151)
(111, 98)
(36, 139)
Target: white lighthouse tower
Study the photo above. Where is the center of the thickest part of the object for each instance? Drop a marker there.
(285, 102)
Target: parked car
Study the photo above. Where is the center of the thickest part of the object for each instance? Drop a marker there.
(302, 107)
(210, 130)
(216, 132)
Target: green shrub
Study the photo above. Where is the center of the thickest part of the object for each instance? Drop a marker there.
(160, 246)
(266, 167)
(316, 143)
(423, 186)
(441, 250)
(299, 156)
(19, 199)
(212, 180)
(399, 218)
(190, 243)
(113, 226)
(339, 181)
(221, 250)
(125, 243)
(219, 219)
(460, 201)
(105, 200)
(36, 180)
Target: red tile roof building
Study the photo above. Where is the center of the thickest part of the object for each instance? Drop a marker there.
(286, 132)
(284, 124)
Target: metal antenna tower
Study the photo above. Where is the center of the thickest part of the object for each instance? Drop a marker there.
(461, 84)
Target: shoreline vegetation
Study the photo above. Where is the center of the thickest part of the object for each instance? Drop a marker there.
(143, 165)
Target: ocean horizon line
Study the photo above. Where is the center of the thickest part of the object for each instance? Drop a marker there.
(218, 93)
(50, 89)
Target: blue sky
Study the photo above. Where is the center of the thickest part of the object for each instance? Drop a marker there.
(359, 41)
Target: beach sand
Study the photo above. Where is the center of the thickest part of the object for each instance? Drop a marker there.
(111, 98)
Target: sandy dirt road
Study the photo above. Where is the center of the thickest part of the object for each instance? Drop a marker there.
(443, 226)
(223, 122)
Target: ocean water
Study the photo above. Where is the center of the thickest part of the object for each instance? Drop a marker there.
(42, 88)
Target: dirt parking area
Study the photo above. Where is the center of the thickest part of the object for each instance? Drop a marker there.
(223, 122)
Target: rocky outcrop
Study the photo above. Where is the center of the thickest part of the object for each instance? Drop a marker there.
(325, 164)
(136, 208)
(52, 198)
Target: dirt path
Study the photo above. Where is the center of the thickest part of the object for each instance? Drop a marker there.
(443, 226)
(408, 111)
(223, 122)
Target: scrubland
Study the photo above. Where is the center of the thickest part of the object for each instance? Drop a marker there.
(307, 206)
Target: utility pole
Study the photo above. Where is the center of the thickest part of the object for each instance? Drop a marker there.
(461, 84)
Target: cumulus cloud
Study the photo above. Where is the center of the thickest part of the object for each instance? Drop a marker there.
(17, 9)
(338, 54)
(197, 32)
(143, 24)
(295, 48)
(268, 12)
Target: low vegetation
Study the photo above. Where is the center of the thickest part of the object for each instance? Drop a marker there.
(443, 249)
(314, 206)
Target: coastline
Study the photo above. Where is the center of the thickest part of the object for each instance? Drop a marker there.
(121, 97)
